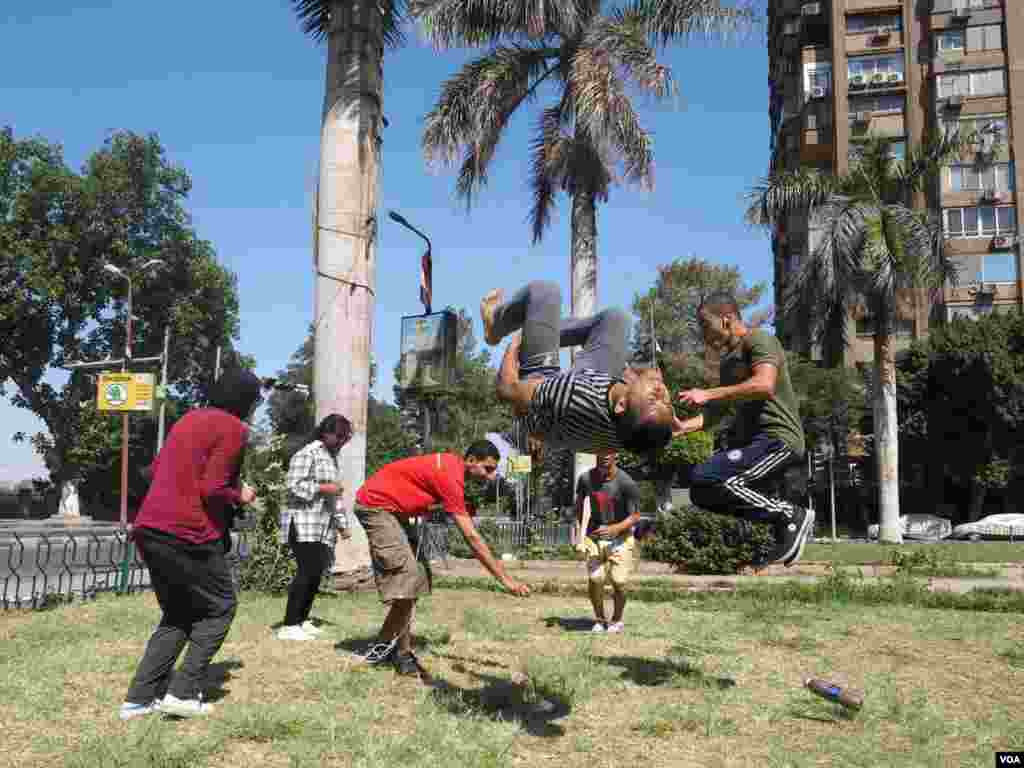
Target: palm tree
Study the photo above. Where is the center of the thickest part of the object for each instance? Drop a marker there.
(589, 135)
(345, 217)
(876, 252)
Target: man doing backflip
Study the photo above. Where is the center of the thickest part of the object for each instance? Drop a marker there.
(767, 436)
(600, 405)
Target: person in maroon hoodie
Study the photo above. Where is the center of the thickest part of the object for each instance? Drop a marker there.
(180, 530)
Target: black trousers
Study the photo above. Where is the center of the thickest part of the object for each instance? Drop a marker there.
(312, 557)
(193, 586)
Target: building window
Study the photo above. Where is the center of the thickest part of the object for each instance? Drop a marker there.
(874, 22)
(988, 37)
(888, 103)
(988, 82)
(865, 70)
(968, 178)
(949, 40)
(897, 151)
(998, 267)
(981, 124)
(980, 221)
(818, 75)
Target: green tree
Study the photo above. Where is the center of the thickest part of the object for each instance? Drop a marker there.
(589, 55)
(58, 229)
(677, 292)
(874, 250)
(962, 403)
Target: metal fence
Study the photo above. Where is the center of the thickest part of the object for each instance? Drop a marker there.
(502, 535)
(43, 565)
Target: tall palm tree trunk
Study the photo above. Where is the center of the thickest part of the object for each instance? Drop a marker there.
(344, 248)
(583, 278)
(886, 439)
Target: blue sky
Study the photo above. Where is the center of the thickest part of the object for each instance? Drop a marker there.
(236, 98)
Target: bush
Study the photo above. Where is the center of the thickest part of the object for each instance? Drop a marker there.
(695, 541)
(269, 567)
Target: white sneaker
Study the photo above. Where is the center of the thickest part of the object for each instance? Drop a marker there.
(172, 705)
(130, 710)
(598, 627)
(294, 632)
(310, 628)
(617, 627)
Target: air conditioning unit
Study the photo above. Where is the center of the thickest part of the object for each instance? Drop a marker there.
(955, 102)
(895, 77)
(811, 9)
(818, 92)
(961, 12)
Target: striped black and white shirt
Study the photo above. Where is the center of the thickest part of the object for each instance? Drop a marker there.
(571, 411)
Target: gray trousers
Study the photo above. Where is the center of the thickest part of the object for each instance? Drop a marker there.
(194, 588)
(536, 310)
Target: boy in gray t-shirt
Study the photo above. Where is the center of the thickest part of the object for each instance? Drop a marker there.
(608, 540)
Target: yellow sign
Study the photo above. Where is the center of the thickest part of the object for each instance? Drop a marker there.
(125, 392)
(520, 465)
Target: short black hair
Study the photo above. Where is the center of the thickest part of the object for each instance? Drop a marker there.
(482, 449)
(335, 424)
(644, 438)
(720, 303)
(236, 391)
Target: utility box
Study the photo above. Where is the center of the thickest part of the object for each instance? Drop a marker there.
(427, 359)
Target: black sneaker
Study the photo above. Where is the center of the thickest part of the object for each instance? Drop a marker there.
(791, 534)
(406, 664)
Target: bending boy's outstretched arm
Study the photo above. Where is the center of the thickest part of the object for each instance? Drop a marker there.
(486, 558)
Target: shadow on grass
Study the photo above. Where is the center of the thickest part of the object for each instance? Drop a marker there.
(360, 645)
(501, 699)
(833, 714)
(652, 672)
(569, 624)
(217, 675)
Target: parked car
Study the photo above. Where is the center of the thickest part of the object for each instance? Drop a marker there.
(920, 526)
(1009, 525)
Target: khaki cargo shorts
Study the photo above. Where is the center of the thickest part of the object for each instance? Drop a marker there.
(393, 543)
(611, 556)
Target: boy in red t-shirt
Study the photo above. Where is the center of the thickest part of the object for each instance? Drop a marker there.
(394, 494)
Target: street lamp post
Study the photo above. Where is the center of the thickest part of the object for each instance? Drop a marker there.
(426, 296)
(124, 368)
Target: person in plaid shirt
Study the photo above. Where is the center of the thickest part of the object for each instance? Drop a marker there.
(309, 521)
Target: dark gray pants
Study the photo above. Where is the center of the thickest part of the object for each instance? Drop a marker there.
(193, 586)
(536, 310)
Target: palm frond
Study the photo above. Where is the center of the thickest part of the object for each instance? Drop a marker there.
(606, 115)
(315, 18)
(551, 151)
(452, 23)
(475, 106)
(682, 21)
(626, 42)
(923, 163)
(822, 291)
(772, 200)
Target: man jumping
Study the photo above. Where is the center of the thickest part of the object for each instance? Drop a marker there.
(767, 436)
(600, 405)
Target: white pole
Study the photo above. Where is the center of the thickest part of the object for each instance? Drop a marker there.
(832, 494)
(163, 383)
(216, 365)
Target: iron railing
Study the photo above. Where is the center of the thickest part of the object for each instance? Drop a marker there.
(42, 565)
(502, 535)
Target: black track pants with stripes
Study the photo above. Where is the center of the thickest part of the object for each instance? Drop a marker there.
(729, 481)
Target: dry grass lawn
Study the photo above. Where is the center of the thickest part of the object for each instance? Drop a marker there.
(943, 688)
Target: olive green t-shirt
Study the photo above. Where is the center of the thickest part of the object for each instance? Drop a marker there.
(779, 415)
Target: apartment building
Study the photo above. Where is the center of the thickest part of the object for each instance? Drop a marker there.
(840, 70)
